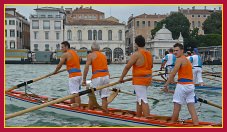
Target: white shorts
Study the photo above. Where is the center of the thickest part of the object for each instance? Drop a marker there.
(184, 94)
(197, 75)
(141, 93)
(100, 81)
(75, 84)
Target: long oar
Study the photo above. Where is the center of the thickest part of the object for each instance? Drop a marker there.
(160, 73)
(132, 94)
(202, 101)
(60, 100)
(34, 80)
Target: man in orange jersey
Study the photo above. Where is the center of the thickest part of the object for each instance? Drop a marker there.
(184, 92)
(100, 74)
(142, 64)
(72, 61)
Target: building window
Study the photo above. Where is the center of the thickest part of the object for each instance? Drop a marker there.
(57, 46)
(137, 23)
(46, 24)
(6, 33)
(120, 35)
(69, 35)
(143, 23)
(57, 35)
(199, 24)
(35, 35)
(149, 23)
(46, 35)
(89, 35)
(100, 35)
(47, 47)
(11, 22)
(192, 15)
(6, 46)
(5, 22)
(155, 23)
(12, 44)
(35, 24)
(94, 35)
(36, 47)
(79, 34)
(57, 25)
(18, 34)
(110, 35)
(193, 24)
(204, 16)
(12, 33)
(198, 15)
(160, 52)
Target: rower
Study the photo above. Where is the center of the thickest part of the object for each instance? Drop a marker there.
(163, 60)
(100, 74)
(197, 67)
(169, 61)
(184, 91)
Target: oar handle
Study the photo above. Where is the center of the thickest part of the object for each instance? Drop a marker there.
(59, 100)
(208, 102)
(31, 81)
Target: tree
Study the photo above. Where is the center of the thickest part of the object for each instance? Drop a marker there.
(176, 23)
(213, 24)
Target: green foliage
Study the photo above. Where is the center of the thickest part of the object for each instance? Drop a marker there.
(176, 23)
(210, 40)
(213, 24)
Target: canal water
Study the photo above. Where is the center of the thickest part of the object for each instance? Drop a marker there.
(57, 86)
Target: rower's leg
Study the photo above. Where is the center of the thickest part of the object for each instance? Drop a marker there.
(138, 109)
(176, 111)
(104, 104)
(145, 109)
(192, 111)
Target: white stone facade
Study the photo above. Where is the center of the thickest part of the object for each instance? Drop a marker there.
(47, 29)
(116, 45)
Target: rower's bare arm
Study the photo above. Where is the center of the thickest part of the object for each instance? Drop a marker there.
(62, 61)
(132, 61)
(86, 68)
(174, 72)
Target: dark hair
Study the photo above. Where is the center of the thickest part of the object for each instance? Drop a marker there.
(66, 43)
(179, 45)
(166, 52)
(171, 50)
(140, 41)
(189, 52)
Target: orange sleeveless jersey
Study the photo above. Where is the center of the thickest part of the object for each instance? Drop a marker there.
(99, 66)
(185, 73)
(142, 75)
(73, 63)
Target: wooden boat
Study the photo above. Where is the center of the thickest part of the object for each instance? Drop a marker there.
(116, 116)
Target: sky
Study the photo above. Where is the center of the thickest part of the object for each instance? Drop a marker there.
(121, 12)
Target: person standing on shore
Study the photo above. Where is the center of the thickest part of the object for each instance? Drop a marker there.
(141, 61)
(72, 61)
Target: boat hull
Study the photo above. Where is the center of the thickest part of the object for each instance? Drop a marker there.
(92, 115)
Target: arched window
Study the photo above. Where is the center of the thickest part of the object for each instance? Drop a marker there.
(83, 48)
(79, 34)
(108, 52)
(118, 53)
(100, 35)
(110, 35)
(94, 35)
(120, 35)
(69, 35)
(89, 35)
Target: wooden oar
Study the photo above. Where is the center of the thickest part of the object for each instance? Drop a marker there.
(212, 74)
(212, 79)
(202, 101)
(114, 89)
(160, 73)
(60, 100)
(31, 81)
